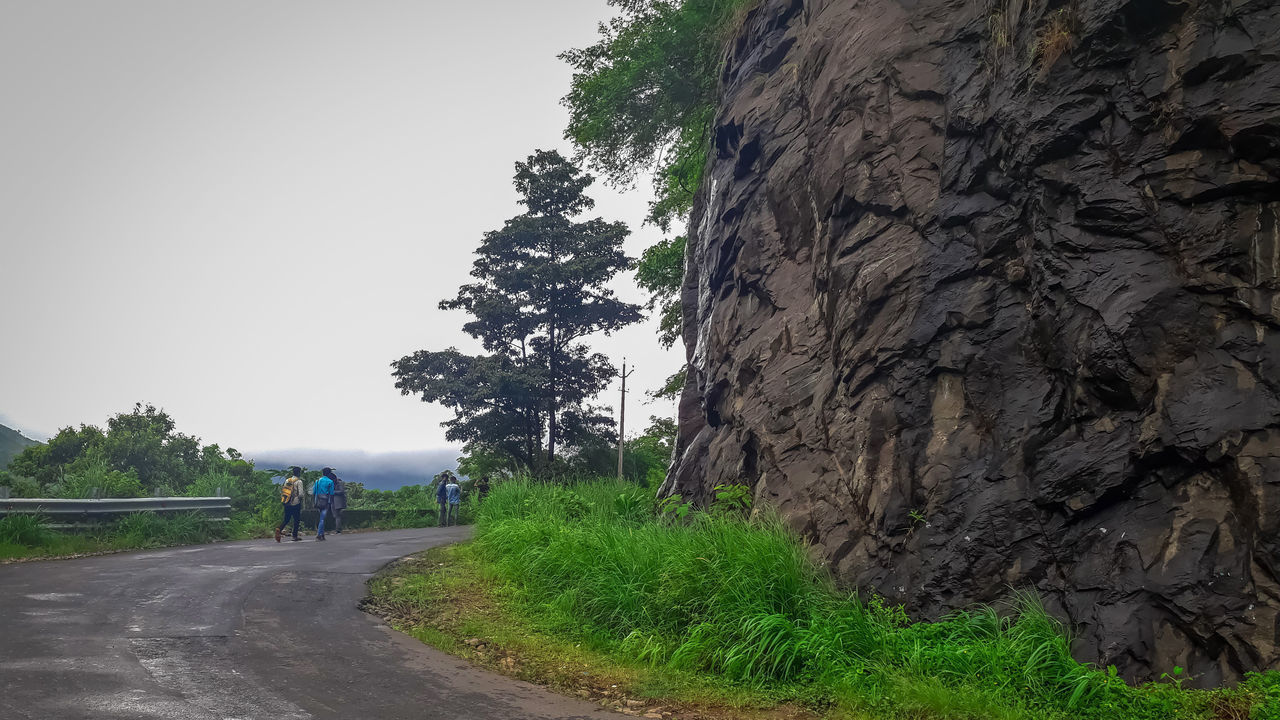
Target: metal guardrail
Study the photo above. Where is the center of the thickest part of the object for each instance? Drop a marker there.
(72, 511)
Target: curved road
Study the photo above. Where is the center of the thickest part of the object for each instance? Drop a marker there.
(242, 630)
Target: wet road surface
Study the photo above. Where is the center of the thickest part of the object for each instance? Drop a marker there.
(241, 630)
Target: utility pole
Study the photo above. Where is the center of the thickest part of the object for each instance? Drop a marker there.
(622, 416)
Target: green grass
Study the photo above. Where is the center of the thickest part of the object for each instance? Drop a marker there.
(28, 536)
(449, 598)
(740, 601)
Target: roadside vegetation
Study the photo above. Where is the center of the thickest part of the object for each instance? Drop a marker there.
(29, 536)
(730, 601)
(141, 454)
(642, 103)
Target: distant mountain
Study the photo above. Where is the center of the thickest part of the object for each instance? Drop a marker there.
(12, 442)
(379, 471)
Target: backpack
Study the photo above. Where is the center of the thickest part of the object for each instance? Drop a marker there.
(286, 493)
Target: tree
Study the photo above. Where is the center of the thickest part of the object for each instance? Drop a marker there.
(644, 95)
(645, 458)
(540, 290)
(643, 98)
(140, 453)
(480, 461)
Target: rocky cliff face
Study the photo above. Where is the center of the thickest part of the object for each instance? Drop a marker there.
(987, 295)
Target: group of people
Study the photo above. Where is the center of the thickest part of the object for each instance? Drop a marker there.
(330, 496)
(449, 496)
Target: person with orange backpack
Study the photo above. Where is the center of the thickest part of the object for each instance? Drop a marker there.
(291, 500)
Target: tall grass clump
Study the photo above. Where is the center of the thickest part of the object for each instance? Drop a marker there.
(738, 597)
(144, 529)
(24, 530)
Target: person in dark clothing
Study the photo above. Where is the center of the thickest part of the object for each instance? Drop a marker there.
(442, 497)
(339, 502)
(291, 500)
(482, 488)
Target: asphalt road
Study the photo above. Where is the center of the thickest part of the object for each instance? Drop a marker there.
(242, 630)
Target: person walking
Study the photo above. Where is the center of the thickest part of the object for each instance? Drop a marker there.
(454, 491)
(291, 501)
(442, 497)
(323, 492)
(339, 502)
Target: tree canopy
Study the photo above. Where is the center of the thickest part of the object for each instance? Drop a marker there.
(540, 288)
(139, 453)
(643, 99)
(643, 96)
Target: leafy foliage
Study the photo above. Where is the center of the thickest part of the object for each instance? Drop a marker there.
(643, 96)
(480, 461)
(541, 287)
(140, 453)
(660, 272)
(645, 458)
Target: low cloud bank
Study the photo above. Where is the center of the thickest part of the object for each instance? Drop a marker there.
(380, 471)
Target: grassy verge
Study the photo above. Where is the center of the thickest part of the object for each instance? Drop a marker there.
(24, 537)
(734, 608)
(449, 599)
(27, 536)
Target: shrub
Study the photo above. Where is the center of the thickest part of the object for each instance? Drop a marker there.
(19, 486)
(93, 477)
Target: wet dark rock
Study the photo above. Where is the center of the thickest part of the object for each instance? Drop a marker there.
(936, 273)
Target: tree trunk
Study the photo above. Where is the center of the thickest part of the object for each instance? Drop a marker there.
(551, 399)
(532, 425)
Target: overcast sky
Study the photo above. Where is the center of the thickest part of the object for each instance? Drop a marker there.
(243, 210)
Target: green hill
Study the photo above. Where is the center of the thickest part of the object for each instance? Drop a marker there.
(11, 443)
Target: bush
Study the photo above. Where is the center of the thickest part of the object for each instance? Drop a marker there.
(19, 486)
(91, 476)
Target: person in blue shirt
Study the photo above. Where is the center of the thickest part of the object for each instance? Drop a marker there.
(454, 491)
(323, 491)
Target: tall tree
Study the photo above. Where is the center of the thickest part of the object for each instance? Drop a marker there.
(540, 289)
